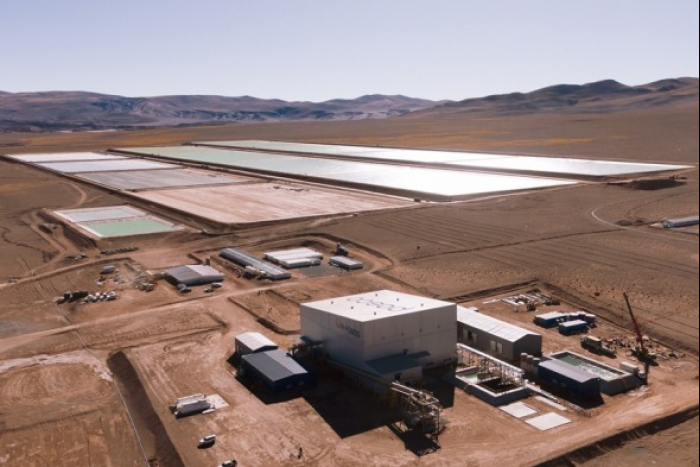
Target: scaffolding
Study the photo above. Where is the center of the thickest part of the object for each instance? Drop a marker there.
(420, 409)
(490, 368)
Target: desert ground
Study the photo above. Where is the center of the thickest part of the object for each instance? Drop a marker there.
(91, 384)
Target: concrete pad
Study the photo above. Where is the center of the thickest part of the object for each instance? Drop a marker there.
(217, 401)
(519, 410)
(548, 421)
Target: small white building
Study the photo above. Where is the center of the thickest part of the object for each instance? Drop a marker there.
(253, 342)
(384, 333)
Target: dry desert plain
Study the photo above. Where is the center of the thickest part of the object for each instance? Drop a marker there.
(69, 372)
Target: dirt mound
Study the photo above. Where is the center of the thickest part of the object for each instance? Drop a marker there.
(651, 184)
(158, 445)
(594, 450)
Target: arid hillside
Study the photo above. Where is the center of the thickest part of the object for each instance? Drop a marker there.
(600, 97)
(56, 111)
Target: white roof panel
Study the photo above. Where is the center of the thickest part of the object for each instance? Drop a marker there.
(492, 325)
(377, 305)
(255, 340)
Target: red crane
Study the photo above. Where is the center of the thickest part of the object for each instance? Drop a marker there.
(641, 352)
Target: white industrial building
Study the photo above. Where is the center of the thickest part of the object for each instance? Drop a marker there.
(498, 338)
(388, 334)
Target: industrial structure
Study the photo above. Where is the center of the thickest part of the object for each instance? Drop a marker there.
(346, 263)
(253, 342)
(253, 265)
(392, 335)
(496, 337)
(190, 405)
(681, 222)
(274, 371)
(562, 377)
(551, 319)
(193, 275)
(296, 258)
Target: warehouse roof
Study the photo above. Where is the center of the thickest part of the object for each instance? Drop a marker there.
(569, 371)
(377, 305)
(195, 274)
(493, 326)
(275, 365)
(255, 341)
(244, 259)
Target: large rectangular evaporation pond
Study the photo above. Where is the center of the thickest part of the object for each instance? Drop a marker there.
(116, 221)
(105, 165)
(159, 179)
(428, 183)
(584, 168)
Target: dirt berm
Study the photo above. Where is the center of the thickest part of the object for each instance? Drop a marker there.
(155, 440)
(591, 451)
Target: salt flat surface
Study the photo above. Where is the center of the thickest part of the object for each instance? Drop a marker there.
(262, 202)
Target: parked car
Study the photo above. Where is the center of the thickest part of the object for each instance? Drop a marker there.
(207, 441)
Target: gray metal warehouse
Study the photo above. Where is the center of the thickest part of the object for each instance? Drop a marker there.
(564, 378)
(274, 370)
(194, 275)
(496, 337)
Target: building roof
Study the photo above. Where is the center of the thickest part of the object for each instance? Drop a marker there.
(297, 253)
(569, 371)
(275, 365)
(345, 261)
(573, 324)
(551, 315)
(194, 274)
(255, 341)
(244, 259)
(493, 326)
(377, 305)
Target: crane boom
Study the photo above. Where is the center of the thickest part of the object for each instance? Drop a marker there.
(637, 331)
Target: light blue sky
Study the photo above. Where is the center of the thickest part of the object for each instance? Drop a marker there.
(323, 49)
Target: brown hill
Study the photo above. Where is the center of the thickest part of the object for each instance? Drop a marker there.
(86, 111)
(600, 97)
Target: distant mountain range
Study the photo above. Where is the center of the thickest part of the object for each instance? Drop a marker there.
(56, 111)
(600, 97)
(90, 111)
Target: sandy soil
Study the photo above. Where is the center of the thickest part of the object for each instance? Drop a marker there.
(588, 244)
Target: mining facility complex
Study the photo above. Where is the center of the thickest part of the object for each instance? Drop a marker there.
(288, 304)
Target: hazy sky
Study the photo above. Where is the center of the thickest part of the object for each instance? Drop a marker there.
(323, 49)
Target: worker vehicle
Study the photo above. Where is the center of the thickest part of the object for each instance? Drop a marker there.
(206, 441)
(598, 346)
